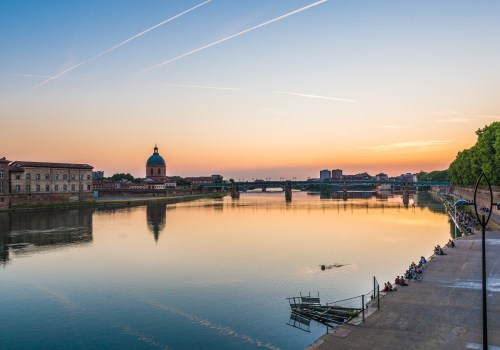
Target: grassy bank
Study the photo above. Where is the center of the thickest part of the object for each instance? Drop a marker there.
(115, 203)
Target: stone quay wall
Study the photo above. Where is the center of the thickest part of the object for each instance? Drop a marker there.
(483, 195)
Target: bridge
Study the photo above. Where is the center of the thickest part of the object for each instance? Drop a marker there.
(343, 185)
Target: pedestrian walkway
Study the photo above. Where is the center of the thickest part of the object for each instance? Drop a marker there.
(444, 311)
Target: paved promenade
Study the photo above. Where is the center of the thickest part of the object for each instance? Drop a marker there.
(444, 311)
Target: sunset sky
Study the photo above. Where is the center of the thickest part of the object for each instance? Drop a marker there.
(248, 89)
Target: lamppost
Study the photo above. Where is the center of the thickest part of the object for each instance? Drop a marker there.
(484, 221)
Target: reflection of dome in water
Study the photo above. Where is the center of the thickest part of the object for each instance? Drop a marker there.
(156, 216)
(155, 159)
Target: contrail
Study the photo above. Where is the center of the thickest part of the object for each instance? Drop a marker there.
(59, 75)
(235, 35)
(315, 96)
(203, 87)
(26, 75)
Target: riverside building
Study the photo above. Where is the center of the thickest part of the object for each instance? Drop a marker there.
(4, 184)
(41, 182)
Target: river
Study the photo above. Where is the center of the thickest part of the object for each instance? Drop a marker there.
(207, 274)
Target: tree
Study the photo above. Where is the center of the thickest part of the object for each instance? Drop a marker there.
(484, 156)
(122, 176)
(435, 176)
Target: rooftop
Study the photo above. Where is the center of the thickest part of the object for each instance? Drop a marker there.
(22, 163)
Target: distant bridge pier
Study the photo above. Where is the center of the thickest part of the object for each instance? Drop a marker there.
(288, 191)
(235, 193)
(406, 195)
(344, 188)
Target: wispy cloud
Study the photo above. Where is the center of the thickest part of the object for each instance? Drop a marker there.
(203, 87)
(406, 145)
(446, 113)
(392, 127)
(490, 116)
(73, 67)
(315, 96)
(233, 36)
(453, 120)
(274, 111)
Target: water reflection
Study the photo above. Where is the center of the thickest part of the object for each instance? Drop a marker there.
(30, 232)
(156, 217)
(219, 281)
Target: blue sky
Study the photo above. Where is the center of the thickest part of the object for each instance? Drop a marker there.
(389, 86)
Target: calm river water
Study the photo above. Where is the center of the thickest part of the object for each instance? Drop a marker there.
(209, 274)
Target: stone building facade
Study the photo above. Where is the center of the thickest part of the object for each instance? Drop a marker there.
(38, 182)
(4, 184)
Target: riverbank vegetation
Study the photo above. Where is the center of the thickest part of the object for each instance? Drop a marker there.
(484, 156)
(434, 176)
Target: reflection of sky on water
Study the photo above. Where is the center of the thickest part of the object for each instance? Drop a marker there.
(206, 274)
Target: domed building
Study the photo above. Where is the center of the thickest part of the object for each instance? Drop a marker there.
(156, 167)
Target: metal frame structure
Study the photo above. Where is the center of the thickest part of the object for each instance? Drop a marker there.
(484, 221)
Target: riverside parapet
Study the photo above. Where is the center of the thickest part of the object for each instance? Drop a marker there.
(118, 203)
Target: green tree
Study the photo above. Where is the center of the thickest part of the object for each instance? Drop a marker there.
(436, 176)
(120, 176)
(484, 156)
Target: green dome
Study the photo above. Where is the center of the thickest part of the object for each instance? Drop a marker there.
(155, 159)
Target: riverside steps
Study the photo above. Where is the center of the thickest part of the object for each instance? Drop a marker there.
(443, 311)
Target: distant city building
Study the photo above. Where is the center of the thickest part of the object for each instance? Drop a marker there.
(361, 176)
(382, 177)
(199, 180)
(40, 182)
(325, 175)
(337, 174)
(152, 184)
(4, 183)
(103, 185)
(156, 167)
(137, 186)
(408, 177)
(98, 175)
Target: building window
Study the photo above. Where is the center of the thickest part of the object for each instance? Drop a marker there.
(65, 177)
(18, 176)
(81, 188)
(56, 177)
(88, 177)
(73, 188)
(1, 174)
(56, 188)
(151, 171)
(28, 188)
(47, 176)
(47, 188)
(1, 199)
(28, 176)
(88, 187)
(72, 176)
(65, 188)
(38, 188)
(81, 177)
(159, 171)
(18, 188)
(1, 187)
(38, 176)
